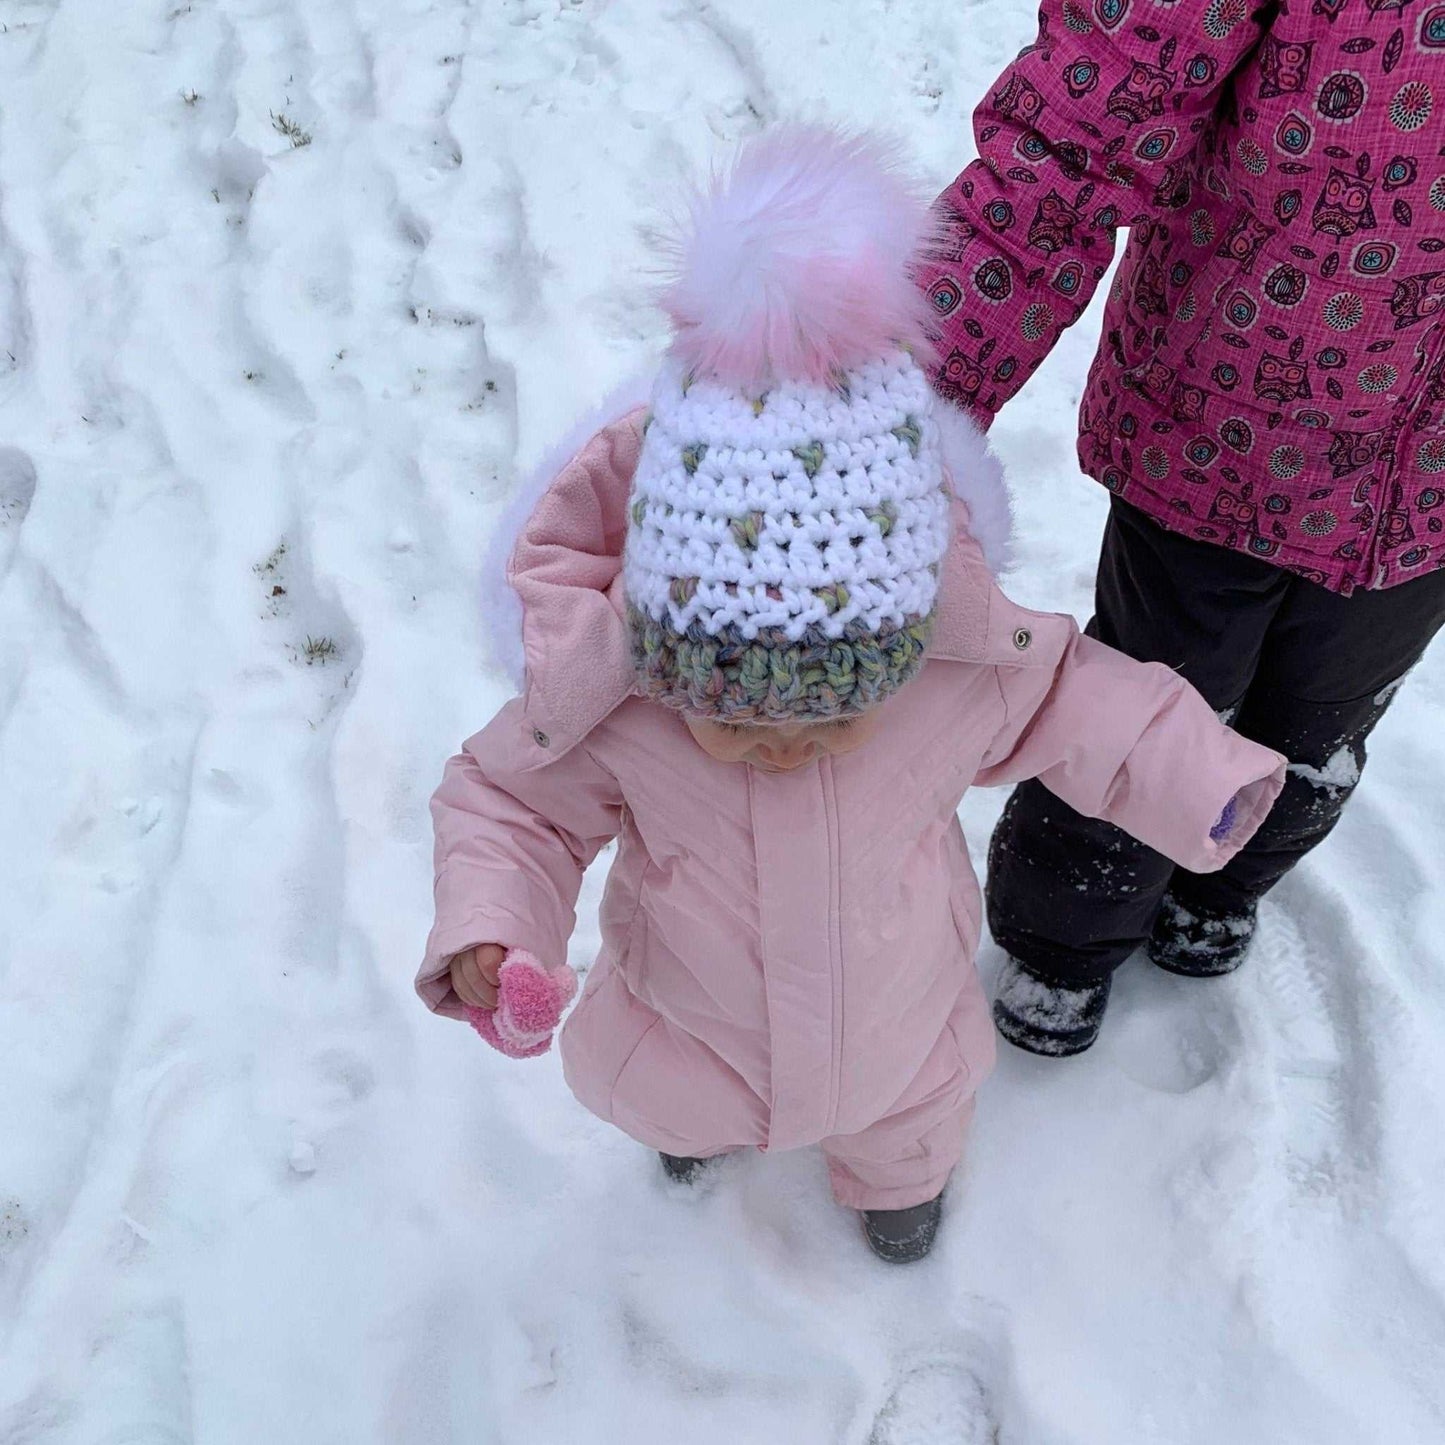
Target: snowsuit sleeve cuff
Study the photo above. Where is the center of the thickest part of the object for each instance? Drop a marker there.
(1198, 805)
(433, 979)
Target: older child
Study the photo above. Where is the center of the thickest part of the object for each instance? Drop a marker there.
(764, 650)
(1267, 407)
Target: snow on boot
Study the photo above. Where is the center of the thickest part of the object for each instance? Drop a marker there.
(1197, 946)
(681, 1169)
(1047, 1018)
(903, 1235)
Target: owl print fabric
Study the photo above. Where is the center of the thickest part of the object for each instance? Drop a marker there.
(1271, 376)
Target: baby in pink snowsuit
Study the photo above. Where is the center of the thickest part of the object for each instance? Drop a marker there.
(764, 650)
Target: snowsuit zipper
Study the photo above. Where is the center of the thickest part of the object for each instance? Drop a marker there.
(796, 838)
(835, 937)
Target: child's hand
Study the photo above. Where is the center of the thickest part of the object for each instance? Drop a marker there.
(475, 973)
(530, 998)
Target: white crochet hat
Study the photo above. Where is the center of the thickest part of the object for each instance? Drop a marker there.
(790, 510)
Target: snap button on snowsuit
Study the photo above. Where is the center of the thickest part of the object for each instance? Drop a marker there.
(541, 738)
(1022, 638)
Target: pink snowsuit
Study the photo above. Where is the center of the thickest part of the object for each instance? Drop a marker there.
(787, 959)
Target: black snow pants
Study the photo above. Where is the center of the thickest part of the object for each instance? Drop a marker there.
(1292, 665)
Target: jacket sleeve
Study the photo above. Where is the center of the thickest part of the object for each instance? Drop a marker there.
(512, 843)
(1085, 132)
(1134, 744)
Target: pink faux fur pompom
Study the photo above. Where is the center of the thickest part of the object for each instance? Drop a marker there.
(796, 261)
(530, 1002)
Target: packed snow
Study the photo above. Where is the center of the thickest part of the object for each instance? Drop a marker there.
(1340, 773)
(289, 292)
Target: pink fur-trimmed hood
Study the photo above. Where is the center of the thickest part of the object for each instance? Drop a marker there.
(553, 593)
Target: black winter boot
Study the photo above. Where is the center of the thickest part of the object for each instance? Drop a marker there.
(1047, 1018)
(1196, 946)
(681, 1169)
(901, 1236)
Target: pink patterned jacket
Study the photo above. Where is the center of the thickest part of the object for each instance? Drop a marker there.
(1271, 376)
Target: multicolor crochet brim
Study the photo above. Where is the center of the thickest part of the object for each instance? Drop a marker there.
(772, 678)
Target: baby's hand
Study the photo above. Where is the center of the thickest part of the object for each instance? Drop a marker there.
(474, 975)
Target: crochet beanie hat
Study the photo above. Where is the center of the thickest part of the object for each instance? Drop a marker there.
(790, 511)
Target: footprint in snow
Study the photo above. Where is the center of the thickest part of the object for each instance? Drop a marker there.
(345, 1076)
(13, 1227)
(1308, 969)
(324, 645)
(1176, 1043)
(17, 491)
(936, 1403)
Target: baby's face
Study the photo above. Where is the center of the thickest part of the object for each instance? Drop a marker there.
(781, 747)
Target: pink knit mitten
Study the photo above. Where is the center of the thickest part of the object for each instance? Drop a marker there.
(530, 1001)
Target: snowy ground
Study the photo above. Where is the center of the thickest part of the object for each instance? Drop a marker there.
(259, 405)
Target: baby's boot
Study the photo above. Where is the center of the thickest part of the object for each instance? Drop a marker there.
(682, 1168)
(903, 1235)
(1189, 941)
(1047, 1018)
